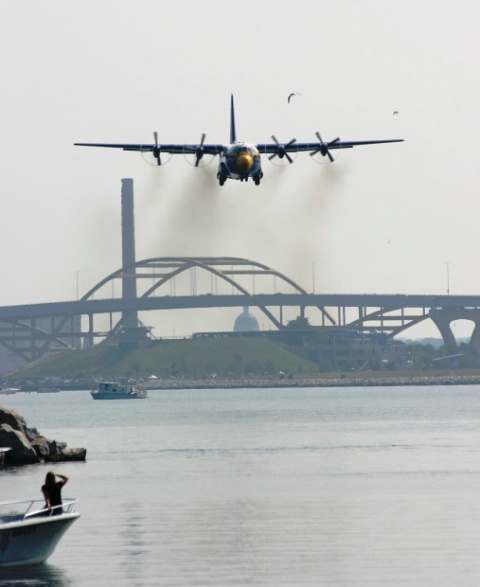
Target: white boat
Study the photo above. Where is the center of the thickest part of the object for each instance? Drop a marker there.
(29, 533)
(112, 390)
(9, 390)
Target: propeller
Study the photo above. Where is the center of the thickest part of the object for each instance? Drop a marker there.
(323, 147)
(199, 150)
(281, 151)
(148, 151)
(196, 155)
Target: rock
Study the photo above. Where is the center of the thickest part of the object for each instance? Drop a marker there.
(22, 452)
(13, 418)
(28, 446)
(70, 454)
(42, 447)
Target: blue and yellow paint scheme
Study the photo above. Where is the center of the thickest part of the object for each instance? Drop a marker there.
(240, 161)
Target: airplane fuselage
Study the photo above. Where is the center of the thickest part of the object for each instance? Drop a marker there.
(240, 161)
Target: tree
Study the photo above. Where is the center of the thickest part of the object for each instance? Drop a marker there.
(299, 323)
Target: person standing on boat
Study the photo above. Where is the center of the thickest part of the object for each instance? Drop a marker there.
(52, 491)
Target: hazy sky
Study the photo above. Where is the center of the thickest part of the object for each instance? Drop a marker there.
(381, 219)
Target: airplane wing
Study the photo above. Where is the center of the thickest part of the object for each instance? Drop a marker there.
(163, 147)
(282, 150)
(157, 148)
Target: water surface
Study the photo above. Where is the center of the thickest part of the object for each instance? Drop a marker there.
(351, 486)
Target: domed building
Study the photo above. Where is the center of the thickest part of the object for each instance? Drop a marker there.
(246, 322)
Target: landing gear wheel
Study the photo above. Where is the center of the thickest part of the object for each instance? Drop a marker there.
(221, 179)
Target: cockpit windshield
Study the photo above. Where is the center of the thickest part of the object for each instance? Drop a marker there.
(235, 150)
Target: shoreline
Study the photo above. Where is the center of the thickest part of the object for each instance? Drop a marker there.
(315, 382)
(343, 380)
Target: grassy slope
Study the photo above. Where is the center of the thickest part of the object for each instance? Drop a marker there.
(192, 358)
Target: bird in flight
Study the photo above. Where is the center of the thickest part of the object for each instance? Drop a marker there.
(293, 94)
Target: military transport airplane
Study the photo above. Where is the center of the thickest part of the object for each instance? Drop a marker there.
(239, 160)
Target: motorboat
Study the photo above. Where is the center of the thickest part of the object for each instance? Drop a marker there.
(113, 390)
(29, 533)
(9, 390)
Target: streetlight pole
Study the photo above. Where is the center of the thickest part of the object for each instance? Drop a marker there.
(313, 275)
(447, 263)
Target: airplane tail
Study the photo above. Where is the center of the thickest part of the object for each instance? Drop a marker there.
(233, 134)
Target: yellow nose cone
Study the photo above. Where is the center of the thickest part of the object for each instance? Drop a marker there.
(244, 162)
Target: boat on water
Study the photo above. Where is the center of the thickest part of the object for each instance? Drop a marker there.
(112, 390)
(9, 390)
(29, 533)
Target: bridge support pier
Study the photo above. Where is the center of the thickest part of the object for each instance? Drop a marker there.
(444, 317)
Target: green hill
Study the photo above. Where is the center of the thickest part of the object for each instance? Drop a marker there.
(191, 358)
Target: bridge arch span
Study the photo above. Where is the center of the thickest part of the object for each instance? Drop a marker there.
(225, 268)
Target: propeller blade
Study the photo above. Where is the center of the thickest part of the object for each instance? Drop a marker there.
(156, 149)
(328, 152)
(313, 153)
(289, 144)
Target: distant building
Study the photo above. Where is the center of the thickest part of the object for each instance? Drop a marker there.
(246, 322)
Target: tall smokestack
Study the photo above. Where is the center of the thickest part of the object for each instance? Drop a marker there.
(129, 284)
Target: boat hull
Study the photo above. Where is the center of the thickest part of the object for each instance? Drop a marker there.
(9, 390)
(33, 540)
(97, 395)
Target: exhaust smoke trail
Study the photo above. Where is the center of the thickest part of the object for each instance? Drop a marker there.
(284, 223)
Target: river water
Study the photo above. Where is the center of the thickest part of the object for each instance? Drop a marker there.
(271, 487)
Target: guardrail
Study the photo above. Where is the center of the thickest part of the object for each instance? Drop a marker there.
(12, 511)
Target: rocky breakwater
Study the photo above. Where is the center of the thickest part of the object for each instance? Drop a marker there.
(27, 446)
(315, 381)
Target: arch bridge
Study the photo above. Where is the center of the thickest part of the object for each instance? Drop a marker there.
(32, 330)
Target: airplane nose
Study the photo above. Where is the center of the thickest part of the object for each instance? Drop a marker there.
(244, 162)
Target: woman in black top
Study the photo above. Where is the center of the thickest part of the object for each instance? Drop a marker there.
(52, 491)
